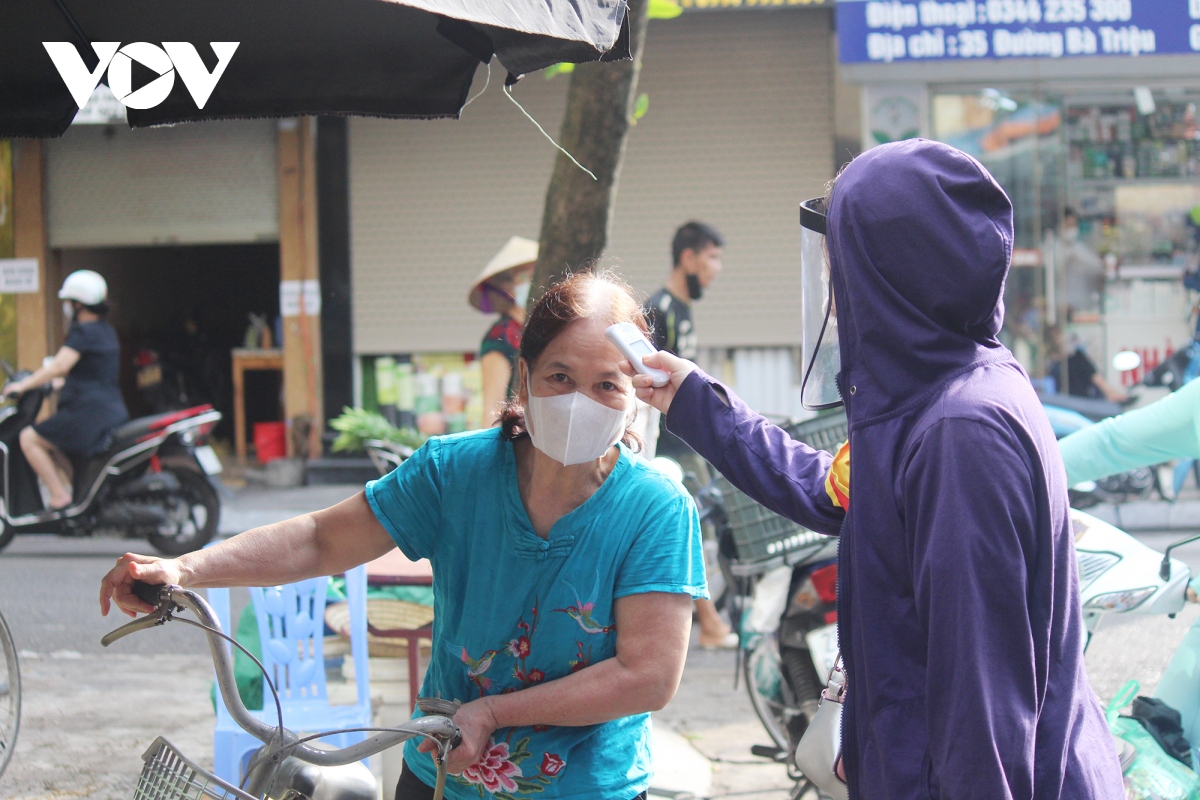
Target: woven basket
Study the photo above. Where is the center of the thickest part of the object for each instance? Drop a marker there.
(384, 615)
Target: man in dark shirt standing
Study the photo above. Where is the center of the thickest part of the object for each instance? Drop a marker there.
(696, 255)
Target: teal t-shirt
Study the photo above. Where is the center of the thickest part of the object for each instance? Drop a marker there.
(512, 609)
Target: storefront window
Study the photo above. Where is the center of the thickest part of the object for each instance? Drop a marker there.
(1019, 139)
(1133, 173)
(1106, 197)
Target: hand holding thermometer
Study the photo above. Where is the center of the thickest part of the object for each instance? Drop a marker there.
(633, 344)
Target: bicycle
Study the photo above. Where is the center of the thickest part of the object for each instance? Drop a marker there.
(286, 767)
(10, 695)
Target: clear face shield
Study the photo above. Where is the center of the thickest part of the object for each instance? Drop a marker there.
(822, 358)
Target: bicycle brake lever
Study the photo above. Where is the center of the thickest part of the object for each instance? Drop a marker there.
(445, 708)
(155, 618)
(148, 621)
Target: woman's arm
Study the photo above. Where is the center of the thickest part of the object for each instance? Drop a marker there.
(652, 640)
(759, 458)
(59, 366)
(324, 542)
(496, 374)
(1162, 431)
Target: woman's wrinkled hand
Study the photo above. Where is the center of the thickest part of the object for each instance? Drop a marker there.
(477, 723)
(661, 397)
(116, 586)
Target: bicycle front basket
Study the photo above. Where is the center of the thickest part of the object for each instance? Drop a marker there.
(168, 775)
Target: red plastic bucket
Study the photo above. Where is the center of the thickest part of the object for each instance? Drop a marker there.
(270, 440)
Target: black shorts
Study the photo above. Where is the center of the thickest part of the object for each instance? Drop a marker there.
(410, 787)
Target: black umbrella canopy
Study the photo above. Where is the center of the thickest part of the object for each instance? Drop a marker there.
(365, 57)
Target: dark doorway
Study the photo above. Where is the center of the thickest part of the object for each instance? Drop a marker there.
(189, 306)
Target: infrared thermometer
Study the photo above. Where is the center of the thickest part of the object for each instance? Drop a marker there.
(633, 344)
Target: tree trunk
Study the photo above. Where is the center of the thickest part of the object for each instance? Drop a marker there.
(578, 211)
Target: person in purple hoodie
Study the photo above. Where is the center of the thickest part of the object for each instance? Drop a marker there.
(959, 616)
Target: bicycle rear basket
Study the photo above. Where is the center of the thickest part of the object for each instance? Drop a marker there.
(761, 537)
(168, 775)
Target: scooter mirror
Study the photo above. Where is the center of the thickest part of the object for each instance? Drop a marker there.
(1126, 360)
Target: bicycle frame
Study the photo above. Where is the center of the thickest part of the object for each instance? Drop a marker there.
(279, 743)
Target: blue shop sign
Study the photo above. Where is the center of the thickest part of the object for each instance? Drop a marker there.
(889, 31)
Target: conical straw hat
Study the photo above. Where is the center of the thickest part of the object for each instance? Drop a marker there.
(517, 252)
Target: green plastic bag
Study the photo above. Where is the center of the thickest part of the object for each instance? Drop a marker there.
(1152, 774)
(247, 674)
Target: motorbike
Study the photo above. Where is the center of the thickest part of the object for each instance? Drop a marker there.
(152, 481)
(1181, 367)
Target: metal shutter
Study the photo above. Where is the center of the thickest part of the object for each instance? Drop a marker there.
(739, 131)
(186, 184)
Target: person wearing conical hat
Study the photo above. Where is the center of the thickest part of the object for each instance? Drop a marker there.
(503, 287)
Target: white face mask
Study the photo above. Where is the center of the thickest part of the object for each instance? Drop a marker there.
(572, 428)
(68, 309)
(521, 293)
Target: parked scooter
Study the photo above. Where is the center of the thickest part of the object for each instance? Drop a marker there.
(152, 481)
(1118, 574)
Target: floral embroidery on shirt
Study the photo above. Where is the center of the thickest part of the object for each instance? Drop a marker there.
(521, 648)
(581, 659)
(499, 771)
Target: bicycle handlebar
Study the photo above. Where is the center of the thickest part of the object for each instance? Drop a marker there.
(167, 598)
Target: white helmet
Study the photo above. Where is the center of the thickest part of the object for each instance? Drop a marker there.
(84, 286)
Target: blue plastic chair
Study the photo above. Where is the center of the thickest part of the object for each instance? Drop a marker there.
(291, 624)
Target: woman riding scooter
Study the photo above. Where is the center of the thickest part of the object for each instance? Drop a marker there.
(90, 403)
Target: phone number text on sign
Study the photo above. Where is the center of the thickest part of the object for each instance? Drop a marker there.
(893, 30)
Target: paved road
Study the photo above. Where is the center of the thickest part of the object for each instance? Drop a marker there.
(90, 712)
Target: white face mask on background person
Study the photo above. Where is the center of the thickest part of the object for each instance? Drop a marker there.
(572, 428)
(68, 309)
(521, 293)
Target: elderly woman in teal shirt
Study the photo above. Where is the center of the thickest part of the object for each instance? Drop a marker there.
(564, 568)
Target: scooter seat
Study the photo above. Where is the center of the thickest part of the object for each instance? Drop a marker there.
(137, 428)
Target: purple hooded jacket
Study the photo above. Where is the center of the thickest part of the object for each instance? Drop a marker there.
(958, 590)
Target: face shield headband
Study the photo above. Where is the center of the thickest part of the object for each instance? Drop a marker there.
(822, 358)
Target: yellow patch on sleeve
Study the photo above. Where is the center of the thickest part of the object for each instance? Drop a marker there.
(837, 482)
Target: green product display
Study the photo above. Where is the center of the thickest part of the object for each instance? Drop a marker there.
(385, 381)
(405, 388)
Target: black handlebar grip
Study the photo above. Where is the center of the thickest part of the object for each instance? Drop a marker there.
(147, 592)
